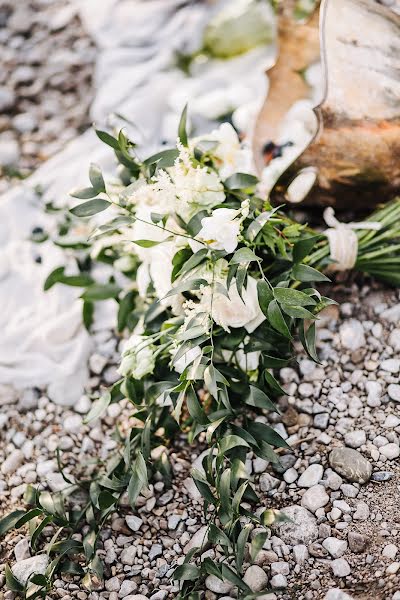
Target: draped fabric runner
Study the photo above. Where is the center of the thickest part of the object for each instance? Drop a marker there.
(43, 341)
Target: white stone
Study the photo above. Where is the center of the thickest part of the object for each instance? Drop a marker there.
(355, 438)
(290, 475)
(300, 554)
(390, 551)
(268, 483)
(134, 522)
(394, 339)
(21, 550)
(391, 451)
(394, 392)
(198, 539)
(352, 335)
(311, 476)
(9, 151)
(335, 547)
(279, 568)
(301, 528)
(127, 587)
(72, 424)
(391, 422)
(12, 462)
(392, 365)
(23, 569)
(337, 594)
(362, 512)
(392, 314)
(340, 567)
(256, 578)
(279, 581)
(315, 498)
(218, 586)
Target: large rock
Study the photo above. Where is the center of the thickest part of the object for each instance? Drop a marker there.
(315, 498)
(350, 464)
(37, 565)
(198, 540)
(256, 578)
(301, 529)
(352, 335)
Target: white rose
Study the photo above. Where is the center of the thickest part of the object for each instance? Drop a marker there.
(231, 156)
(220, 231)
(235, 312)
(137, 357)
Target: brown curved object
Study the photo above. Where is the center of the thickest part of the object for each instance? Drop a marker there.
(357, 147)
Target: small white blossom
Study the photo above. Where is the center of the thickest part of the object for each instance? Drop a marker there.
(137, 357)
(220, 231)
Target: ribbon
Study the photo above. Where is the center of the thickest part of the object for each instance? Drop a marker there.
(343, 240)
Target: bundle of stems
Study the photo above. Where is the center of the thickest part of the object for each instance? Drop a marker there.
(378, 249)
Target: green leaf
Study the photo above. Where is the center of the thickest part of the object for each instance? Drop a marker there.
(256, 544)
(28, 516)
(182, 134)
(202, 486)
(186, 572)
(193, 261)
(88, 314)
(217, 536)
(241, 546)
(12, 582)
(96, 178)
(307, 338)
(240, 181)
(106, 499)
(84, 194)
(211, 568)
(92, 207)
(101, 292)
(36, 534)
(195, 410)
(298, 312)
(264, 432)
(107, 139)
(53, 278)
(148, 243)
(276, 319)
(243, 255)
(273, 384)
(229, 442)
(259, 399)
(8, 522)
(126, 306)
(188, 285)
(303, 247)
(231, 576)
(306, 273)
(273, 362)
(138, 479)
(293, 297)
(164, 159)
(265, 295)
(98, 408)
(89, 542)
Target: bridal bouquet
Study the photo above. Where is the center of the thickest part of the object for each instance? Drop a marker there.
(214, 286)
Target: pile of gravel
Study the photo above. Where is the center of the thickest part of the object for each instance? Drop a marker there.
(339, 485)
(45, 82)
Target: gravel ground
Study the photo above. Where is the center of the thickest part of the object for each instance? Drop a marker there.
(344, 503)
(45, 83)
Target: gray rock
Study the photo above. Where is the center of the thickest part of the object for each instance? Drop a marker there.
(256, 578)
(155, 550)
(311, 476)
(335, 547)
(134, 523)
(300, 554)
(268, 483)
(390, 451)
(113, 584)
(350, 464)
(301, 529)
(315, 498)
(128, 555)
(321, 420)
(127, 587)
(382, 476)
(356, 438)
(21, 550)
(390, 551)
(37, 565)
(218, 586)
(362, 512)
(7, 98)
(278, 581)
(340, 567)
(357, 541)
(392, 365)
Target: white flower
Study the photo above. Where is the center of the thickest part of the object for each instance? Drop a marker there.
(233, 311)
(220, 231)
(187, 359)
(195, 188)
(137, 358)
(231, 156)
